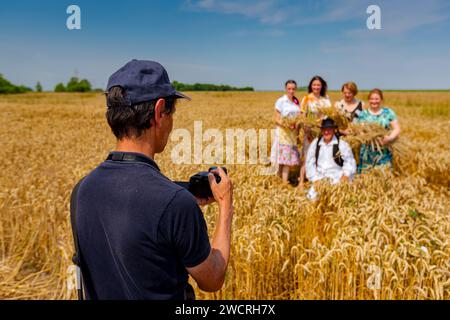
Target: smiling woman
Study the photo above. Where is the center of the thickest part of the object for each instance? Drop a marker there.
(370, 156)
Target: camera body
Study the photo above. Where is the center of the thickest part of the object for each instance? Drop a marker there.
(198, 184)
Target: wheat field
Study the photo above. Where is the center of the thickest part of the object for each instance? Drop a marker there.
(385, 236)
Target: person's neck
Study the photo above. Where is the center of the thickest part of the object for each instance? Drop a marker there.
(376, 110)
(317, 96)
(136, 145)
(351, 102)
(329, 140)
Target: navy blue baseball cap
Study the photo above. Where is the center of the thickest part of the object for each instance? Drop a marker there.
(143, 81)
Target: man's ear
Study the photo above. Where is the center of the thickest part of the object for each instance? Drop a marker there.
(159, 110)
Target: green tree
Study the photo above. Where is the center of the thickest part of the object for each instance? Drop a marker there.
(38, 87)
(84, 86)
(77, 85)
(7, 87)
(60, 87)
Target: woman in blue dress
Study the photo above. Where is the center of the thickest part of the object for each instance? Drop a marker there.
(369, 156)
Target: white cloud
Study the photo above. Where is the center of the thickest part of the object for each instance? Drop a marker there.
(265, 11)
(333, 11)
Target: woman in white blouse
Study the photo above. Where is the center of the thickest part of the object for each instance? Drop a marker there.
(285, 150)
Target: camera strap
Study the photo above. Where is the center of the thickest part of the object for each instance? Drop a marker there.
(135, 157)
(77, 255)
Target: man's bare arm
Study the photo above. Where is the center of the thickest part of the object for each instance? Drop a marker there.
(210, 274)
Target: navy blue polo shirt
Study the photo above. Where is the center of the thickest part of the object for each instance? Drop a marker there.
(138, 231)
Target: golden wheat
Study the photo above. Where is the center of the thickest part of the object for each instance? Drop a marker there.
(387, 227)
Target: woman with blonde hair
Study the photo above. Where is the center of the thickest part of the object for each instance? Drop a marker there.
(349, 105)
(377, 113)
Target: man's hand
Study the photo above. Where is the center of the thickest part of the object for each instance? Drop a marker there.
(344, 179)
(222, 191)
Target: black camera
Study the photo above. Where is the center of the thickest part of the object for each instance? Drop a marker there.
(198, 184)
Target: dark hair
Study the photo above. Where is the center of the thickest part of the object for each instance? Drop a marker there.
(290, 82)
(323, 91)
(130, 121)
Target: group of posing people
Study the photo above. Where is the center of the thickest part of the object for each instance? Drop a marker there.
(328, 156)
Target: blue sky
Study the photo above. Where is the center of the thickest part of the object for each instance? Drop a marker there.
(243, 43)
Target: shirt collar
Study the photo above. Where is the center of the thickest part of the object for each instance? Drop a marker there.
(132, 157)
(333, 141)
(286, 98)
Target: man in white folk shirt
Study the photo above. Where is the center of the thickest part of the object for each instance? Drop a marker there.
(329, 158)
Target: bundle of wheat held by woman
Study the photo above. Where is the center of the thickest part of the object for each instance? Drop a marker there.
(310, 123)
(372, 134)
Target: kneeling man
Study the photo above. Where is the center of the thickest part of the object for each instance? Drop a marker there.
(329, 158)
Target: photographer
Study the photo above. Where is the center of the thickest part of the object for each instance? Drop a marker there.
(140, 234)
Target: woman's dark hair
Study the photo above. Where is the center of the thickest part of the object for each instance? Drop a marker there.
(323, 91)
(290, 82)
(130, 121)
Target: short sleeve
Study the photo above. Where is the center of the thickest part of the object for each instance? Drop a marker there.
(392, 115)
(184, 227)
(362, 117)
(279, 105)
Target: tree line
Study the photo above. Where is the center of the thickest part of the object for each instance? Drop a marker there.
(207, 87)
(7, 87)
(83, 85)
(73, 85)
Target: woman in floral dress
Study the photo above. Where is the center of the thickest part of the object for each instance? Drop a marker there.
(369, 156)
